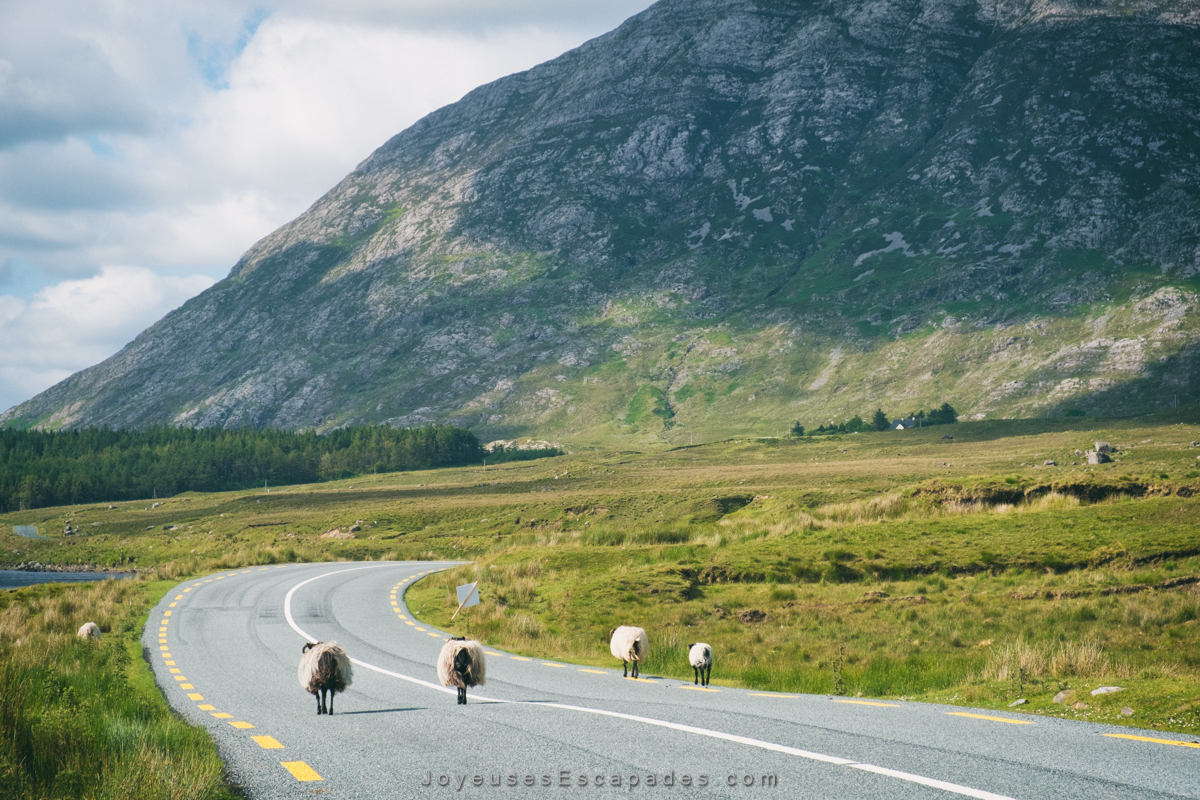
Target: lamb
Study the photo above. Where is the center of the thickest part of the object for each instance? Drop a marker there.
(700, 657)
(461, 664)
(90, 630)
(630, 645)
(324, 667)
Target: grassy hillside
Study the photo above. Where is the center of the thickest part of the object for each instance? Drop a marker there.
(892, 564)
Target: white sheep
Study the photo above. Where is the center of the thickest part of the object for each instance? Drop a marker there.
(324, 667)
(461, 664)
(630, 645)
(700, 657)
(90, 630)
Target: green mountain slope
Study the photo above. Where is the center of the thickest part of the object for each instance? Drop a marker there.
(723, 216)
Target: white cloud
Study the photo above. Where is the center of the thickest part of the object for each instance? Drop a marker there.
(75, 324)
(171, 137)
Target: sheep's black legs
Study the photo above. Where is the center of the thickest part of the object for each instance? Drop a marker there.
(695, 675)
(320, 705)
(707, 674)
(462, 696)
(635, 669)
(331, 694)
(624, 669)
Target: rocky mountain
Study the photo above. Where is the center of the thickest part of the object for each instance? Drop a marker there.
(723, 216)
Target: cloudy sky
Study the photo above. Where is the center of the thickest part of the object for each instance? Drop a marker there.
(146, 144)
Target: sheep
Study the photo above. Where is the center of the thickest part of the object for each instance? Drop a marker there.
(700, 657)
(324, 667)
(461, 664)
(90, 630)
(630, 645)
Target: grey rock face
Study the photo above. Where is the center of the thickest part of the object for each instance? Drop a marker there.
(722, 203)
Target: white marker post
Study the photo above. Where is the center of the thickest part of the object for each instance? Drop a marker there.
(468, 595)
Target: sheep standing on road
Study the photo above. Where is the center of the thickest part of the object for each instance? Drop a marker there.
(90, 630)
(630, 645)
(700, 657)
(461, 664)
(324, 668)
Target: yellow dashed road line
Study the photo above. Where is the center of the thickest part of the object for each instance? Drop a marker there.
(756, 694)
(206, 707)
(301, 771)
(594, 671)
(699, 688)
(435, 635)
(640, 680)
(885, 705)
(1149, 739)
(241, 725)
(195, 696)
(520, 658)
(548, 664)
(267, 742)
(223, 715)
(993, 719)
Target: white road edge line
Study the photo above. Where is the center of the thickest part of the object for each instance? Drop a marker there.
(954, 788)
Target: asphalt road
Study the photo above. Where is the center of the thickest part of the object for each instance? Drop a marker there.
(225, 649)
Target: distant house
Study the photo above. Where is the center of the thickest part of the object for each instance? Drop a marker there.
(904, 424)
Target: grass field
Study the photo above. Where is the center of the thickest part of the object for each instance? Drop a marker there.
(892, 564)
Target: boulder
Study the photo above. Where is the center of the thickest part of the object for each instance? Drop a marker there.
(1096, 457)
(1106, 690)
(1103, 447)
(1049, 464)
(1126, 712)
(1019, 702)
(1064, 696)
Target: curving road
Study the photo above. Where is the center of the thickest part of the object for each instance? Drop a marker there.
(225, 650)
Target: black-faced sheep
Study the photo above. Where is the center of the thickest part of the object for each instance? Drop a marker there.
(324, 668)
(700, 657)
(461, 664)
(90, 630)
(630, 645)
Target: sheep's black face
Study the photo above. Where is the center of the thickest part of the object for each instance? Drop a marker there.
(462, 662)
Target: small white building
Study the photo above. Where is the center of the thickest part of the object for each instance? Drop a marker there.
(904, 424)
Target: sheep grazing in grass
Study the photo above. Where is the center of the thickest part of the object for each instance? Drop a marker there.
(324, 668)
(461, 664)
(700, 657)
(630, 645)
(90, 630)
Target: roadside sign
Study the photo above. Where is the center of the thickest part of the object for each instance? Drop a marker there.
(468, 595)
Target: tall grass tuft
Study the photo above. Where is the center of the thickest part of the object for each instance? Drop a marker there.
(1021, 660)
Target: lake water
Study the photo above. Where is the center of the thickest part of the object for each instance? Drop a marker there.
(15, 578)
